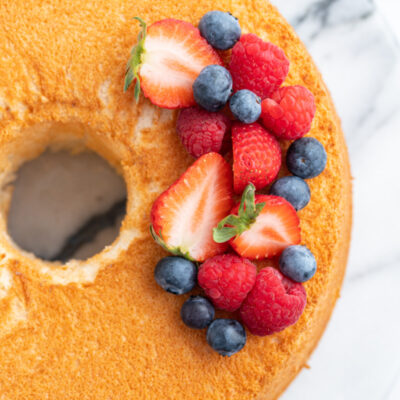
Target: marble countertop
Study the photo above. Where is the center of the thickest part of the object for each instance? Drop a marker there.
(358, 53)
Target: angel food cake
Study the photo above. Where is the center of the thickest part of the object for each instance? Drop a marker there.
(234, 244)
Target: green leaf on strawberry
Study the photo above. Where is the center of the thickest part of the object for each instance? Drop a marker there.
(234, 225)
(175, 251)
(260, 226)
(135, 60)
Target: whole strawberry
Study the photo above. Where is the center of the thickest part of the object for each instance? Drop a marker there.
(289, 112)
(257, 66)
(227, 279)
(256, 156)
(274, 303)
(202, 131)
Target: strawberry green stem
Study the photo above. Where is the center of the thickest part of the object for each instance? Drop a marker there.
(234, 225)
(176, 251)
(135, 60)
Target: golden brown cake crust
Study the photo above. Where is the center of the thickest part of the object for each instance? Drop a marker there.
(102, 329)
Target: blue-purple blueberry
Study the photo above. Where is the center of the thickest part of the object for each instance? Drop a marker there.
(226, 336)
(212, 87)
(220, 29)
(297, 263)
(245, 106)
(197, 312)
(176, 275)
(306, 158)
(293, 189)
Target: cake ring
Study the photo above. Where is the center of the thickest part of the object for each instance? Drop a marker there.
(101, 328)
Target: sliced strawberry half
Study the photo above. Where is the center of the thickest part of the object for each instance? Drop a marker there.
(166, 60)
(183, 217)
(261, 226)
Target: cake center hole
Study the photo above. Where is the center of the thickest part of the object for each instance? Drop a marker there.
(66, 206)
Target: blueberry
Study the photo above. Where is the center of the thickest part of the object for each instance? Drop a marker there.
(245, 106)
(226, 336)
(294, 189)
(197, 312)
(176, 274)
(306, 158)
(212, 87)
(298, 263)
(220, 29)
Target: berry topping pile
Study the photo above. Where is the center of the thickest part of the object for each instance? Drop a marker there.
(211, 220)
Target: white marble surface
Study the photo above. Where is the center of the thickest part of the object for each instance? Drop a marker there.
(352, 42)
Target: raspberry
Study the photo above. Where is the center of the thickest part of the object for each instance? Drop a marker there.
(258, 66)
(201, 131)
(274, 303)
(289, 112)
(226, 280)
(256, 156)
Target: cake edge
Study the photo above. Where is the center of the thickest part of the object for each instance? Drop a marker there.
(323, 314)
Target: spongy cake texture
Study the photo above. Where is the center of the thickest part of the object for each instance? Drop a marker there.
(102, 328)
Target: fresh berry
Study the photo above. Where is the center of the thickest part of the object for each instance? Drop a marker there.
(256, 156)
(289, 112)
(298, 263)
(166, 60)
(220, 29)
(226, 336)
(212, 87)
(306, 158)
(258, 66)
(201, 131)
(245, 106)
(197, 312)
(226, 280)
(260, 226)
(183, 217)
(294, 189)
(176, 275)
(274, 303)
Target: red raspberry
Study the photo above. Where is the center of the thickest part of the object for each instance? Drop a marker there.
(256, 156)
(274, 303)
(227, 279)
(258, 66)
(201, 131)
(289, 112)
